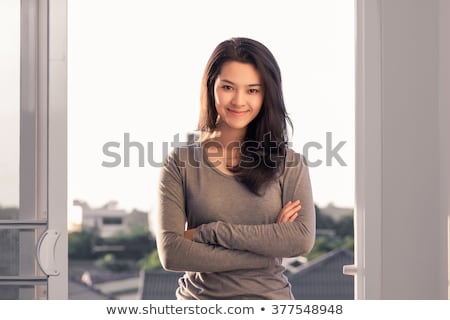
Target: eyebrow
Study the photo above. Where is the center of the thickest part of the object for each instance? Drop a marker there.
(249, 85)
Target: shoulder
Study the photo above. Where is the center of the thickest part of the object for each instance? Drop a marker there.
(185, 155)
(295, 166)
(294, 159)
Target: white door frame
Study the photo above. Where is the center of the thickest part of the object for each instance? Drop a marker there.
(402, 150)
(368, 151)
(57, 143)
(43, 146)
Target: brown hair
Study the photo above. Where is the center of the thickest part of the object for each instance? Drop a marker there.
(263, 148)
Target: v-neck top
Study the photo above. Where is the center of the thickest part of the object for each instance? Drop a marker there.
(238, 246)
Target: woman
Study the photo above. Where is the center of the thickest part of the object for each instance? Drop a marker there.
(237, 201)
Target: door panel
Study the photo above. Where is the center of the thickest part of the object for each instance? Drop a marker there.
(29, 101)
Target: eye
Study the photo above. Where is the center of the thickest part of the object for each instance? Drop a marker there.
(253, 91)
(227, 87)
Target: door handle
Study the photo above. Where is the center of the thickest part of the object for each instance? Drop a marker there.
(45, 252)
(349, 270)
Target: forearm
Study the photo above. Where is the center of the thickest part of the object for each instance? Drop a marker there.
(179, 254)
(287, 239)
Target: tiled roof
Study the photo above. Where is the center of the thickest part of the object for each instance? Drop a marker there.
(97, 277)
(319, 279)
(81, 291)
(158, 285)
(322, 278)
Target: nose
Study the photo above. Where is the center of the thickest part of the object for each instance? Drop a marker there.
(238, 98)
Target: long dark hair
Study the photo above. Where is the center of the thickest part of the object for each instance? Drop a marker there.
(264, 146)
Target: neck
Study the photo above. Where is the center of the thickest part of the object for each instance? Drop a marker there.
(225, 136)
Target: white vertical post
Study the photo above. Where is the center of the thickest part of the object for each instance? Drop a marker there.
(368, 151)
(57, 143)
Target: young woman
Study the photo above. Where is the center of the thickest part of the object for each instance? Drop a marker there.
(238, 200)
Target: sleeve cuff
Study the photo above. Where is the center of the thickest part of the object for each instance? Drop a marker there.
(205, 233)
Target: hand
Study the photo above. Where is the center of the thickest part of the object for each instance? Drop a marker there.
(188, 234)
(289, 212)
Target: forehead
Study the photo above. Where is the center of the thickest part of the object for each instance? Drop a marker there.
(239, 73)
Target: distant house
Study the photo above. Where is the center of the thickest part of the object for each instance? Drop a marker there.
(318, 279)
(111, 221)
(336, 212)
(118, 285)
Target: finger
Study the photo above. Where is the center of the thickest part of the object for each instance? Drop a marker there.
(293, 217)
(287, 215)
(288, 206)
(291, 203)
(188, 234)
(288, 209)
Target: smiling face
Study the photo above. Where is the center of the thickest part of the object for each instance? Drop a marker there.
(238, 96)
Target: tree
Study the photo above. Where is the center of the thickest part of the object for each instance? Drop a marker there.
(80, 245)
(344, 227)
(323, 221)
(150, 262)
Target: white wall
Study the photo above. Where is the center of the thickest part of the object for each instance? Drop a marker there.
(403, 223)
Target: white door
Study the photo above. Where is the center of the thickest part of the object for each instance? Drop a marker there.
(402, 150)
(33, 183)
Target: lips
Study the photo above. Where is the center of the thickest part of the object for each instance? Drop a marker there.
(237, 113)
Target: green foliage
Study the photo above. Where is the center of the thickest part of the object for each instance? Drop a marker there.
(80, 244)
(324, 244)
(342, 237)
(344, 227)
(323, 221)
(150, 262)
(349, 243)
(110, 262)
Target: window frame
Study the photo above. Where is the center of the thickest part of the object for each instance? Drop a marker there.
(43, 256)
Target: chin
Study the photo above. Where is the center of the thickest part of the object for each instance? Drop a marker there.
(239, 126)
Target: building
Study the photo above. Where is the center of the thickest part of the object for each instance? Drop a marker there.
(81, 291)
(109, 221)
(116, 285)
(336, 213)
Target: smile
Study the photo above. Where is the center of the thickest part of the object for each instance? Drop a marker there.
(237, 113)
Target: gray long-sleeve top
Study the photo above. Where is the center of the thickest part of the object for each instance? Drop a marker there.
(238, 245)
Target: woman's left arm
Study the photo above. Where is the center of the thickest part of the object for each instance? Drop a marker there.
(283, 239)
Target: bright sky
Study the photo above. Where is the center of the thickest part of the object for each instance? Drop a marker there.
(135, 68)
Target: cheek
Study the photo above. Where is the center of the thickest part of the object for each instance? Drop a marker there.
(257, 105)
(220, 100)
(216, 96)
(217, 100)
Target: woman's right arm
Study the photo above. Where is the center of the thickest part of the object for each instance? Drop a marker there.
(179, 254)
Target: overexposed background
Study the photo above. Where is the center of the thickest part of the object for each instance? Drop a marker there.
(135, 66)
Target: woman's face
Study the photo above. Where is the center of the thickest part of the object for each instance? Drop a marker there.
(238, 95)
